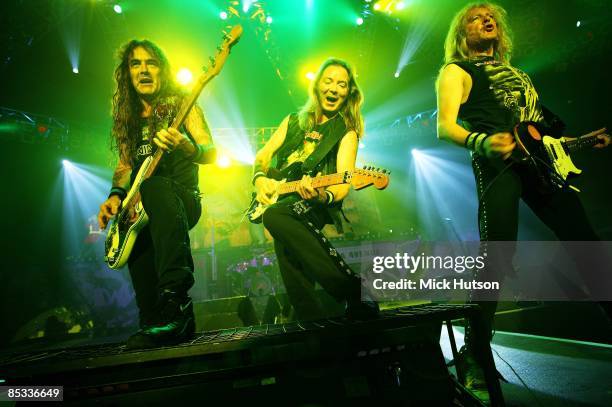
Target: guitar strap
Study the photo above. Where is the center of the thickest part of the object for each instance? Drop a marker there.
(333, 135)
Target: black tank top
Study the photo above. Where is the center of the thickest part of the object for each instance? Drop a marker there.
(501, 97)
(299, 144)
(172, 165)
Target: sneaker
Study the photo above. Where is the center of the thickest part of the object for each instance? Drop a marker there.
(177, 324)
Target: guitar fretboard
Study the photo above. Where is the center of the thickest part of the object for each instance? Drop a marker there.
(582, 142)
(317, 182)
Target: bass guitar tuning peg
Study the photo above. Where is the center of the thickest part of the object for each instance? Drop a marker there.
(212, 61)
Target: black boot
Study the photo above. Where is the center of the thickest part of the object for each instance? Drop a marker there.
(361, 305)
(176, 323)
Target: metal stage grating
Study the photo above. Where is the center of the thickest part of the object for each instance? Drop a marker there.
(402, 345)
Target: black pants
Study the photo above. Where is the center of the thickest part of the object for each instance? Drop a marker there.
(305, 256)
(499, 190)
(161, 257)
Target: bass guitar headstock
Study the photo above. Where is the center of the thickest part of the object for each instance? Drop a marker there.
(216, 63)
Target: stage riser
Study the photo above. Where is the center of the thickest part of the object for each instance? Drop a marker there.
(364, 367)
(372, 379)
(395, 358)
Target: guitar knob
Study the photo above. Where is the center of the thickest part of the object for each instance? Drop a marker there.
(212, 61)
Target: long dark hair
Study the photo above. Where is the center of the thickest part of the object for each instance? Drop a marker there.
(126, 105)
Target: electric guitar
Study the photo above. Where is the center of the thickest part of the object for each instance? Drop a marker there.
(549, 157)
(358, 178)
(132, 217)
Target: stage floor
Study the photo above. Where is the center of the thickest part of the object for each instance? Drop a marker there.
(545, 371)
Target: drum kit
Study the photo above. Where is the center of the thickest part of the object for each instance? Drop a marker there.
(256, 276)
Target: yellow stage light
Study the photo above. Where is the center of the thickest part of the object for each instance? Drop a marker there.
(223, 161)
(184, 76)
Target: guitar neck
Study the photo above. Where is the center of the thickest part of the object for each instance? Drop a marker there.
(190, 100)
(179, 119)
(582, 142)
(317, 182)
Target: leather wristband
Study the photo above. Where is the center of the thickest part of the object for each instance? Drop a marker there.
(120, 192)
(330, 197)
(475, 142)
(257, 175)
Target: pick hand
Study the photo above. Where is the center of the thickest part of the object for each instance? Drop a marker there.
(499, 145)
(108, 209)
(266, 189)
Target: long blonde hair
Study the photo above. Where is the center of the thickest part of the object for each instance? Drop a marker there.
(455, 46)
(310, 114)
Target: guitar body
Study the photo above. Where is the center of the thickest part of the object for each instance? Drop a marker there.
(125, 227)
(548, 158)
(561, 159)
(291, 173)
(121, 238)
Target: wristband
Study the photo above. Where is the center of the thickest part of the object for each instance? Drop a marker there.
(257, 175)
(120, 192)
(469, 140)
(330, 197)
(475, 142)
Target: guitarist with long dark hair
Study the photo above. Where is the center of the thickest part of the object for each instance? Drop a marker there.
(321, 138)
(161, 267)
(478, 85)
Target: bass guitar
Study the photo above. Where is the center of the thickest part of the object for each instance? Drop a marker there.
(131, 217)
(290, 178)
(549, 157)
